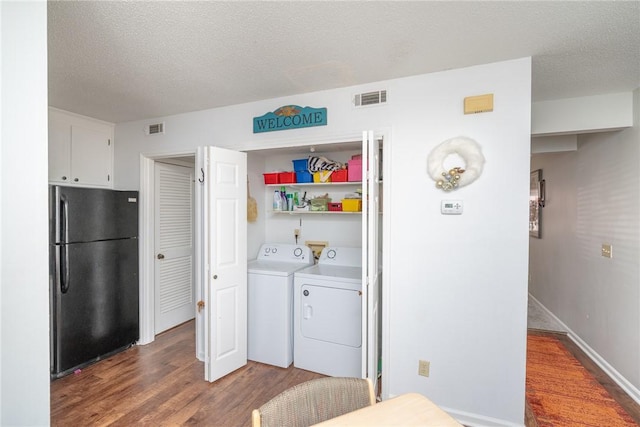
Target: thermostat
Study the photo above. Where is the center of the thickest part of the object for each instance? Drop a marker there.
(451, 207)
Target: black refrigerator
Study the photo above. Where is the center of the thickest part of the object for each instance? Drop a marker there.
(93, 275)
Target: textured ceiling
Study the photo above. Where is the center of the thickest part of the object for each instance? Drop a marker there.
(128, 60)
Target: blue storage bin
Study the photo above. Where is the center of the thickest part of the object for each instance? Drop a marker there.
(300, 165)
(304, 176)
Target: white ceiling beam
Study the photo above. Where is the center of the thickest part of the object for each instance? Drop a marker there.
(586, 114)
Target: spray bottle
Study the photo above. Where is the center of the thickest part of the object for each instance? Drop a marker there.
(283, 197)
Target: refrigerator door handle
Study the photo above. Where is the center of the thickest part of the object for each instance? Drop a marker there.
(64, 269)
(64, 219)
(64, 253)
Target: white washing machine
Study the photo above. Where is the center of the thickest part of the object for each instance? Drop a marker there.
(328, 314)
(270, 302)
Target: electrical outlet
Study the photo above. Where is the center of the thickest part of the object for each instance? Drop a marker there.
(607, 250)
(423, 368)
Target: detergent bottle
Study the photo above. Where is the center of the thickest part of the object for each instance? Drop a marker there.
(277, 201)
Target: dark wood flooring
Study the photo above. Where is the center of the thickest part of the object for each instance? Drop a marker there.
(614, 389)
(162, 384)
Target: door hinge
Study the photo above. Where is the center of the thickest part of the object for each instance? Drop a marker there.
(108, 177)
(109, 142)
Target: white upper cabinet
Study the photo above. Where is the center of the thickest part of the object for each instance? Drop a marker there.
(80, 150)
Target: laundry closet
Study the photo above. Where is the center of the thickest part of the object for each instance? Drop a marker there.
(341, 217)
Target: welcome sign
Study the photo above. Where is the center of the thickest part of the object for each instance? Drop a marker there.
(290, 117)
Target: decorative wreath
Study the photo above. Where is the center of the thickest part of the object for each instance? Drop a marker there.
(458, 176)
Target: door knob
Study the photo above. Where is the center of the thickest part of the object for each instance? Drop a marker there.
(200, 306)
(215, 276)
(160, 256)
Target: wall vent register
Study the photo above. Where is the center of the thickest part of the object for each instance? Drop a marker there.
(155, 129)
(370, 98)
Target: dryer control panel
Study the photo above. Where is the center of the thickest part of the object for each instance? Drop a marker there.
(349, 257)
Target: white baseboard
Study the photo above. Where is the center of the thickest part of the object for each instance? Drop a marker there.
(475, 420)
(624, 384)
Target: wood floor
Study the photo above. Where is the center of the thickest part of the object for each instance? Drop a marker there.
(162, 384)
(614, 390)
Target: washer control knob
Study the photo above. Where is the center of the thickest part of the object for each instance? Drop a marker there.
(331, 254)
(305, 293)
(297, 252)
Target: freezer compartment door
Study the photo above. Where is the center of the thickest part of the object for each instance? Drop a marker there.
(95, 309)
(90, 214)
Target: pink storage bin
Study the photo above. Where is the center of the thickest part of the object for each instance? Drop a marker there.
(354, 170)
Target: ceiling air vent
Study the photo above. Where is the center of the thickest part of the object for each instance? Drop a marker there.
(370, 98)
(155, 129)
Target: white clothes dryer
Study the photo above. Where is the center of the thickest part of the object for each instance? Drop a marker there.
(270, 302)
(328, 314)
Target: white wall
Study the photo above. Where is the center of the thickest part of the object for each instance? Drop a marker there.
(456, 293)
(24, 292)
(593, 198)
(255, 230)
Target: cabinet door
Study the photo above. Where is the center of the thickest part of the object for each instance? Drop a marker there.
(59, 151)
(90, 156)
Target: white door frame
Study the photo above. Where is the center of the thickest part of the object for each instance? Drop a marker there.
(146, 249)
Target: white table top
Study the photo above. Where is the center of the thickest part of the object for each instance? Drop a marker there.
(410, 409)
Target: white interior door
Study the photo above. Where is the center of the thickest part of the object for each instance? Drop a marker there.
(370, 257)
(173, 276)
(224, 260)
